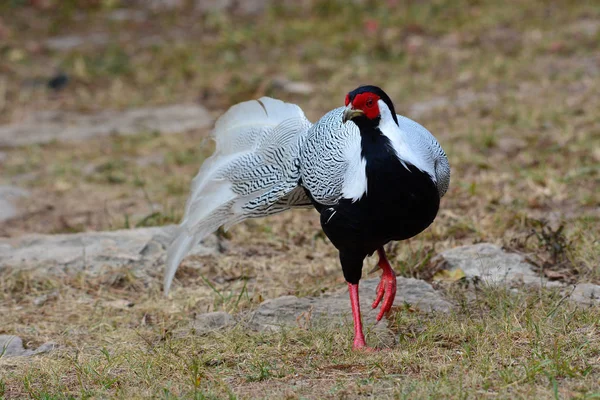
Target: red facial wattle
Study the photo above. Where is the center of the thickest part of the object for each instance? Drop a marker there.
(367, 102)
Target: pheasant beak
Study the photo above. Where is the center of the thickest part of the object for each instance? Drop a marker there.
(351, 113)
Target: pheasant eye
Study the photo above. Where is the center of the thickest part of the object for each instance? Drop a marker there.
(370, 102)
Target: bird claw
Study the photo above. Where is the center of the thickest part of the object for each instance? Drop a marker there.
(386, 291)
(365, 349)
(360, 345)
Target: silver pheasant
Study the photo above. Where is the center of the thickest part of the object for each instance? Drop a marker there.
(367, 170)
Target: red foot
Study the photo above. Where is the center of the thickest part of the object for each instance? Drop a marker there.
(386, 289)
(359, 337)
(360, 344)
(364, 348)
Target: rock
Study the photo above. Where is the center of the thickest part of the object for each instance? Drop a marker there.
(9, 196)
(239, 7)
(461, 101)
(418, 293)
(12, 346)
(510, 145)
(119, 304)
(252, 7)
(151, 159)
(207, 6)
(126, 15)
(586, 293)
(334, 310)
(587, 27)
(162, 5)
(428, 106)
(47, 126)
(43, 299)
(213, 321)
(490, 264)
(70, 42)
(292, 87)
(140, 249)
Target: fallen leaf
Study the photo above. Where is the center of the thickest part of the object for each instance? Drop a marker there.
(554, 275)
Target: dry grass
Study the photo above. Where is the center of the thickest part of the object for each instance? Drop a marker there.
(499, 344)
(508, 90)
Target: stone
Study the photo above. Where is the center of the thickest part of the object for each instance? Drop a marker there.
(151, 159)
(252, 7)
(141, 249)
(119, 304)
(163, 5)
(334, 310)
(462, 101)
(292, 87)
(70, 42)
(240, 7)
(490, 264)
(126, 15)
(48, 126)
(9, 196)
(208, 6)
(43, 299)
(12, 346)
(208, 322)
(587, 27)
(586, 293)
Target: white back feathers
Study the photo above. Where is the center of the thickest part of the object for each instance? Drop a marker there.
(268, 155)
(252, 173)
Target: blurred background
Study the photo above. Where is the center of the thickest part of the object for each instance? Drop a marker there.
(105, 105)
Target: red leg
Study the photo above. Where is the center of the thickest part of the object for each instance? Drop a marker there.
(386, 289)
(359, 337)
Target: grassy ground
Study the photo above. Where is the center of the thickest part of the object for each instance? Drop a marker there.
(509, 92)
(500, 345)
